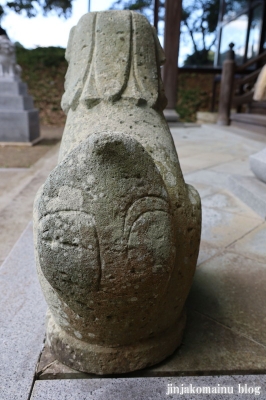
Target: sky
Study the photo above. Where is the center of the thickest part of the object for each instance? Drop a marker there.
(51, 30)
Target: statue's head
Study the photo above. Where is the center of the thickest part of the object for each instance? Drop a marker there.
(113, 55)
(6, 47)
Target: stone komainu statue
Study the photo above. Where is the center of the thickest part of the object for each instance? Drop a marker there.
(117, 230)
(9, 70)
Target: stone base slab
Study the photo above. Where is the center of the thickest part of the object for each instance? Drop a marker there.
(19, 126)
(96, 359)
(252, 122)
(13, 88)
(258, 164)
(251, 191)
(25, 144)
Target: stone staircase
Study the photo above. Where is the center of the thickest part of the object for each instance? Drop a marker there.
(252, 122)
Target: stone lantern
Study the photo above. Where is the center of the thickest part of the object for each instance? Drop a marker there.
(19, 120)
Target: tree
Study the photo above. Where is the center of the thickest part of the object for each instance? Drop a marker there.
(199, 23)
(32, 7)
(146, 7)
(200, 19)
(134, 5)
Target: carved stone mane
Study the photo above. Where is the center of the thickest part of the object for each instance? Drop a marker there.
(128, 56)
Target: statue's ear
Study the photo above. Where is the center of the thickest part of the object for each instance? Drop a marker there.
(70, 44)
(145, 60)
(159, 50)
(160, 57)
(79, 55)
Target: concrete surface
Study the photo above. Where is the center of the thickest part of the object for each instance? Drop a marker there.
(230, 387)
(250, 190)
(258, 164)
(252, 245)
(18, 187)
(21, 320)
(17, 197)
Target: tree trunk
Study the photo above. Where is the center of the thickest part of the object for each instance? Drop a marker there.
(2, 32)
(156, 14)
(173, 12)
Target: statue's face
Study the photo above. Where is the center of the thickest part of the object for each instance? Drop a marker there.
(105, 223)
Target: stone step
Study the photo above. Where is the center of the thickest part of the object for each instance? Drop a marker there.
(14, 88)
(258, 107)
(258, 165)
(16, 103)
(255, 122)
(251, 191)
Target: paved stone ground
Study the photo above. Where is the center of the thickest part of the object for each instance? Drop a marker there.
(225, 334)
(18, 186)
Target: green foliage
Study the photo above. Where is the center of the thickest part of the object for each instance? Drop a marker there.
(188, 104)
(194, 94)
(142, 6)
(201, 15)
(134, 5)
(1, 11)
(145, 7)
(40, 57)
(44, 69)
(18, 44)
(199, 23)
(234, 6)
(200, 18)
(200, 57)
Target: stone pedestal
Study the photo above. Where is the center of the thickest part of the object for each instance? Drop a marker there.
(171, 115)
(117, 229)
(19, 120)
